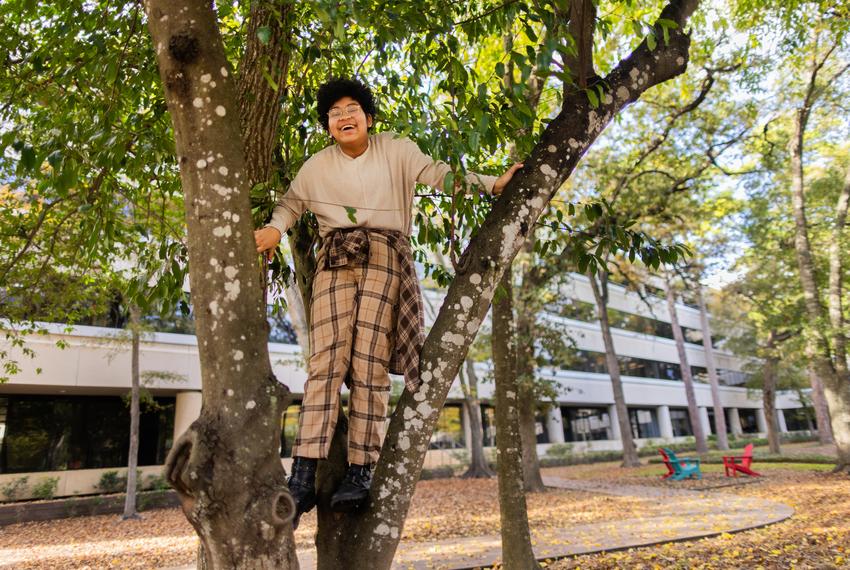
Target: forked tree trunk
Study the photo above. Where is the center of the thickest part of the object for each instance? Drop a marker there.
(600, 294)
(687, 377)
(478, 465)
(517, 553)
(713, 380)
(225, 468)
(133, 458)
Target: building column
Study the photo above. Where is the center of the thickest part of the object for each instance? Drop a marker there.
(665, 426)
(761, 422)
(703, 419)
(615, 422)
(555, 425)
(735, 422)
(467, 426)
(187, 409)
(780, 417)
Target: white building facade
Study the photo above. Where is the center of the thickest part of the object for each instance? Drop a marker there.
(69, 420)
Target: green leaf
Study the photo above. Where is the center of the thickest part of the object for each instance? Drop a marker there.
(593, 97)
(350, 212)
(651, 41)
(264, 34)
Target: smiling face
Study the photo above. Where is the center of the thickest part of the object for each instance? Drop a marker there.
(351, 130)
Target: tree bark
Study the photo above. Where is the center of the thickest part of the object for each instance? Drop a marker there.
(820, 407)
(527, 392)
(769, 395)
(517, 553)
(133, 458)
(687, 378)
(478, 465)
(600, 294)
(225, 468)
(708, 347)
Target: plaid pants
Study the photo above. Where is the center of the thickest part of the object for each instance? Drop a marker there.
(353, 319)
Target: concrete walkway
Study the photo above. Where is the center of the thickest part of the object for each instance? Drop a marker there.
(688, 515)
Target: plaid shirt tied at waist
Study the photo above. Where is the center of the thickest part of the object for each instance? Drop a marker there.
(346, 246)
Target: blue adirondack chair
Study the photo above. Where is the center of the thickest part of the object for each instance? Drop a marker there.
(683, 468)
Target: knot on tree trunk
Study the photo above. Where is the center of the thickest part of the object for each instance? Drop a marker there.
(183, 48)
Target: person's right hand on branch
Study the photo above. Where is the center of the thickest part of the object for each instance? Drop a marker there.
(267, 239)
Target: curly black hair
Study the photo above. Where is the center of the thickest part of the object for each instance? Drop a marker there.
(335, 89)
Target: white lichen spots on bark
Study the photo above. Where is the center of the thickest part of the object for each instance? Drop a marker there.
(221, 190)
(552, 148)
(214, 308)
(537, 202)
(250, 405)
(382, 529)
(452, 338)
(548, 171)
(230, 272)
(232, 288)
(573, 143)
(466, 302)
(224, 71)
(198, 102)
(403, 442)
(222, 170)
(607, 99)
(425, 410)
(201, 164)
(238, 355)
(622, 93)
(222, 231)
(473, 325)
(510, 395)
(230, 392)
(401, 469)
(475, 279)
(680, 60)
(220, 111)
(205, 78)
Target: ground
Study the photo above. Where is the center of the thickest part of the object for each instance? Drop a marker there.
(817, 536)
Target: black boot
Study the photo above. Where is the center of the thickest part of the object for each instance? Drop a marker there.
(353, 492)
(302, 485)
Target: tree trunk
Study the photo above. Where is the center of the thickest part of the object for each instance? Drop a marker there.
(708, 346)
(600, 294)
(298, 317)
(527, 394)
(133, 458)
(820, 408)
(769, 395)
(478, 466)
(517, 553)
(225, 468)
(687, 378)
(836, 385)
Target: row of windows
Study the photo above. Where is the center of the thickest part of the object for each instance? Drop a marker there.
(55, 433)
(50, 433)
(592, 361)
(584, 311)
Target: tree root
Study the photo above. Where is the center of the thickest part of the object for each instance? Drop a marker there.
(841, 468)
(175, 469)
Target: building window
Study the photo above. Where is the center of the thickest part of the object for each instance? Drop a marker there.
(488, 425)
(797, 419)
(749, 424)
(289, 429)
(644, 424)
(681, 421)
(586, 424)
(56, 433)
(449, 431)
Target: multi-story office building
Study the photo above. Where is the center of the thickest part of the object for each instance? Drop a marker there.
(70, 420)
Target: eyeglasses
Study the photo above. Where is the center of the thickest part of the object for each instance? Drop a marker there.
(347, 111)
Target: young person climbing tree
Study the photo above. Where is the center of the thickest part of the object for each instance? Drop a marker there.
(366, 315)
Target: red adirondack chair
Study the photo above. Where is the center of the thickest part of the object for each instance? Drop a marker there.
(666, 460)
(732, 464)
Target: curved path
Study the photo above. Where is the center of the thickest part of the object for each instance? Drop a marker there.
(692, 514)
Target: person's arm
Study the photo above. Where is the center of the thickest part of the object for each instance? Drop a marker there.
(289, 208)
(432, 172)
